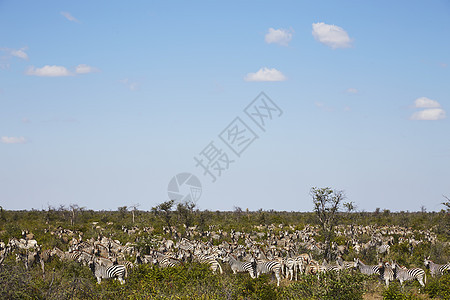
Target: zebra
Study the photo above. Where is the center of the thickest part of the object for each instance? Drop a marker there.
(436, 269)
(115, 271)
(405, 274)
(84, 258)
(367, 269)
(128, 264)
(69, 256)
(206, 259)
(302, 261)
(347, 265)
(331, 267)
(384, 248)
(291, 266)
(239, 266)
(166, 261)
(387, 273)
(264, 267)
(315, 268)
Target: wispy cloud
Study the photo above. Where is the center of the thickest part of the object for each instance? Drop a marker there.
(13, 140)
(351, 91)
(265, 74)
(19, 53)
(69, 17)
(432, 111)
(85, 69)
(48, 71)
(59, 71)
(132, 86)
(278, 36)
(331, 35)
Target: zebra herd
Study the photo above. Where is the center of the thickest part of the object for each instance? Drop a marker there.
(107, 258)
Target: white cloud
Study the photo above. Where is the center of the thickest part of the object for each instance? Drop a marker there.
(13, 140)
(351, 91)
(424, 102)
(265, 74)
(278, 36)
(69, 17)
(20, 53)
(84, 69)
(132, 86)
(429, 114)
(331, 35)
(48, 71)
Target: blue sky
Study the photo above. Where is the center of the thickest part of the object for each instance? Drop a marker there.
(102, 102)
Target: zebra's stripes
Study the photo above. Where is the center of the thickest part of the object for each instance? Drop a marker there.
(210, 260)
(70, 256)
(102, 272)
(264, 267)
(291, 267)
(388, 273)
(404, 274)
(367, 269)
(436, 269)
(167, 262)
(239, 266)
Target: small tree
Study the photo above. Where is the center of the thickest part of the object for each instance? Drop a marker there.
(326, 205)
(163, 210)
(122, 211)
(185, 211)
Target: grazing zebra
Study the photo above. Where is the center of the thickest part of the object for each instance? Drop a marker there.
(330, 267)
(84, 258)
(436, 269)
(115, 271)
(347, 265)
(264, 267)
(388, 273)
(214, 264)
(302, 261)
(103, 261)
(239, 266)
(367, 269)
(166, 261)
(69, 256)
(291, 266)
(405, 274)
(383, 249)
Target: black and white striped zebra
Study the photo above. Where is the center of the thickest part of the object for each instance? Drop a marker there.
(239, 266)
(436, 269)
(404, 274)
(271, 266)
(367, 269)
(346, 265)
(291, 267)
(387, 273)
(166, 261)
(102, 272)
(210, 260)
(69, 256)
